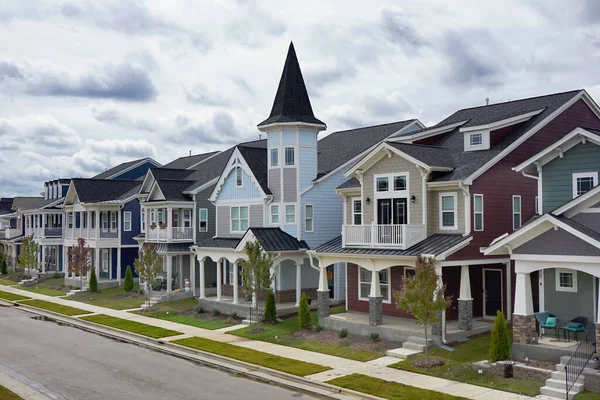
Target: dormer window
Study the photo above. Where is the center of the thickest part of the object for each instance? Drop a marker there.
(476, 139)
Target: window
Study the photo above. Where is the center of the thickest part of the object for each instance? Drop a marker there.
(230, 270)
(113, 221)
(447, 210)
(239, 219)
(127, 221)
(357, 211)
(308, 217)
(516, 208)
(143, 219)
(105, 221)
(408, 271)
(161, 216)
(290, 214)
(274, 214)
(105, 260)
(566, 280)
(364, 285)
(187, 218)
(400, 182)
(274, 157)
(239, 179)
(289, 156)
(584, 182)
(382, 184)
(476, 139)
(152, 217)
(478, 212)
(203, 220)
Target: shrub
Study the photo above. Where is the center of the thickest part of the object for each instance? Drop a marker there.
(304, 313)
(57, 275)
(216, 313)
(200, 310)
(343, 333)
(499, 343)
(270, 309)
(93, 281)
(233, 315)
(3, 268)
(319, 328)
(128, 282)
(375, 336)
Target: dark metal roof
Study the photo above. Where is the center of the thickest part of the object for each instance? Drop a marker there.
(100, 190)
(350, 183)
(188, 161)
(222, 243)
(173, 247)
(292, 103)
(430, 155)
(274, 239)
(121, 167)
(340, 147)
(434, 244)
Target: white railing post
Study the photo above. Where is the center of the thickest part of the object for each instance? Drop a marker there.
(374, 238)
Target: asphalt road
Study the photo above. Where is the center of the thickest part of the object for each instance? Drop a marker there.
(73, 364)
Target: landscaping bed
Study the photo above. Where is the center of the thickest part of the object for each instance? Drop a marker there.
(186, 312)
(288, 365)
(49, 287)
(131, 326)
(115, 298)
(388, 390)
(287, 333)
(57, 308)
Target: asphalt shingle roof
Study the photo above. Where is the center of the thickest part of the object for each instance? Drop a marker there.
(6, 205)
(256, 158)
(188, 161)
(434, 244)
(173, 189)
(121, 167)
(581, 228)
(430, 155)
(292, 103)
(350, 183)
(101, 190)
(27, 203)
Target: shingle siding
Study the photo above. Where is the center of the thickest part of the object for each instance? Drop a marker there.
(223, 221)
(256, 216)
(275, 184)
(290, 188)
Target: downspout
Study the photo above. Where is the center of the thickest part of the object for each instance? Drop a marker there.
(467, 200)
(538, 178)
(425, 174)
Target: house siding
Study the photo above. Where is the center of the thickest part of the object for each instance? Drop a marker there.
(557, 175)
(558, 242)
(248, 190)
(308, 170)
(568, 305)
(290, 192)
(223, 221)
(433, 211)
(275, 184)
(128, 256)
(349, 210)
(500, 182)
(256, 216)
(133, 207)
(201, 201)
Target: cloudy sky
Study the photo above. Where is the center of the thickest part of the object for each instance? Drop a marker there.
(87, 85)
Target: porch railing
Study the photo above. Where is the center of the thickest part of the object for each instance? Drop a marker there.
(53, 232)
(582, 355)
(182, 233)
(108, 234)
(400, 236)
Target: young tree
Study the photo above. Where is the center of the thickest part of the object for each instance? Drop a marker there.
(148, 266)
(303, 313)
(80, 260)
(4, 267)
(499, 343)
(128, 281)
(421, 296)
(28, 259)
(256, 270)
(93, 281)
(270, 307)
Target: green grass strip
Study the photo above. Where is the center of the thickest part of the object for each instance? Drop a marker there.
(11, 296)
(6, 394)
(57, 308)
(288, 365)
(8, 282)
(131, 326)
(388, 390)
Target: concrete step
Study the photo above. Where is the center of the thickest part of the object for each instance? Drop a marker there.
(556, 393)
(420, 340)
(561, 384)
(591, 363)
(561, 375)
(414, 346)
(401, 353)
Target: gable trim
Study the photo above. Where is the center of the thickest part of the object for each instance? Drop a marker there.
(492, 126)
(429, 133)
(229, 167)
(147, 159)
(206, 159)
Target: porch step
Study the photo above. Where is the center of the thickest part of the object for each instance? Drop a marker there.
(557, 393)
(414, 346)
(401, 353)
(419, 340)
(590, 364)
(73, 291)
(561, 384)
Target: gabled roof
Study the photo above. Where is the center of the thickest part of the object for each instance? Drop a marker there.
(6, 205)
(431, 155)
(27, 203)
(256, 158)
(210, 170)
(219, 243)
(189, 161)
(103, 190)
(173, 189)
(121, 168)
(355, 141)
(350, 184)
(274, 239)
(585, 200)
(292, 103)
(171, 173)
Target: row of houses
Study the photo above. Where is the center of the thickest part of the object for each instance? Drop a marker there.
(503, 195)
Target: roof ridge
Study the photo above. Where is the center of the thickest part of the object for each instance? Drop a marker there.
(416, 144)
(195, 155)
(104, 180)
(518, 100)
(372, 126)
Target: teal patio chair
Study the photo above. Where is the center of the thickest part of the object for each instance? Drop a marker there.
(547, 321)
(575, 325)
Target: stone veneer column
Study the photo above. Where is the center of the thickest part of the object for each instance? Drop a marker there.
(523, 326)
(436, 327)
(523, 317)
(375, 311)
(597, 337)
(323, 294)
(465, 302)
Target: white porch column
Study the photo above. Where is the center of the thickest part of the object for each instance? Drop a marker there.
(169, 260)
(97, 213)
(193, 275)
(323, 287)
(180, 270)
(465, 301)
(509, 292)
(219, 280)
(97, 262)
(119, 273)
(375, 286)
(43, 257)
(272, 272)
(169, 224)
(523, 317)
(439, 328)
(298, 284)
(235, 282)
(202, 283)
(42, 233)
(88, 223)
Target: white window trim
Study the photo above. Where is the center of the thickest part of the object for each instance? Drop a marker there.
(455, 211)
(240, 219)
(520, 212)
(286, 213)
(142, 219)
(593, 175)
(285, 163)
(475, 214)
(384, 300)
(557, 280)
(271, 215)
(106, 259)
(485, 140)
(125, 214)
(276, 149)
(352, 213)
(391, 193)
(200, 219)
(537, 205)
(311, 218)
(241, 171)
(407, 269)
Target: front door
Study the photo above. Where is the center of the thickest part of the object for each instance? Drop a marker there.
(492, 291)
(330, 281)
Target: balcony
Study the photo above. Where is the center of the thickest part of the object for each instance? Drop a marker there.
(108, 234)
(10, 233)
(53, 232)
(177, 233)
(91, 233)
(382, 236)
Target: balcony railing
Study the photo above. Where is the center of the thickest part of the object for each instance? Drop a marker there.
(53, 232)
(91, 233)
(10, 233)
(156, 234)
(182, 233)
(383, 236)
(177, 233)
(108, 234)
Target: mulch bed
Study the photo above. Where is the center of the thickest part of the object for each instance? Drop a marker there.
(539, 364)
(357, 342)
(432, 363)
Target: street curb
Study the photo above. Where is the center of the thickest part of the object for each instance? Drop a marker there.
(252, 371)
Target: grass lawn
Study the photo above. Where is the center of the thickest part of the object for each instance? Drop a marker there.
(11, 296)
(388, 390)
(282, 333)
(51, 287)
(115, 298)
(171, 311)
(8, 282)
(587, 396)
(131, 326)
(6, 394)
(294, 367)
(458, 368)
(57, 308)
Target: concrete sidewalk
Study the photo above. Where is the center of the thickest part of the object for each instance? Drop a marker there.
(340, 366)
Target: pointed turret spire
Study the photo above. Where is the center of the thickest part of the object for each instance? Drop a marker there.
(292, 103)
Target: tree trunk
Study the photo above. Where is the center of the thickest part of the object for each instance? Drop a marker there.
(426, 347)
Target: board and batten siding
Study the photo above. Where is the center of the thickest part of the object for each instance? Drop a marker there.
(328, 210)
(201, 200)
(557, 175)
(248, 190)
(500, 182)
